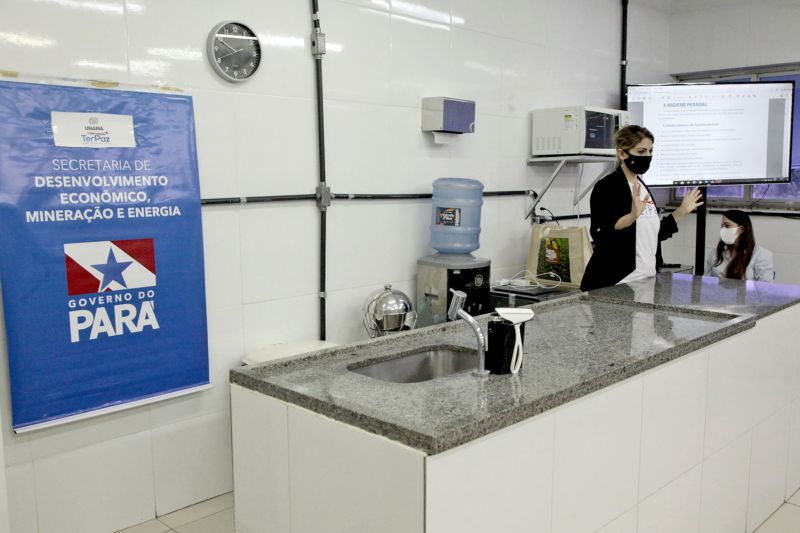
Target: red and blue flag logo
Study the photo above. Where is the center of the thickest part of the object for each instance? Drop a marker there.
(105, 266)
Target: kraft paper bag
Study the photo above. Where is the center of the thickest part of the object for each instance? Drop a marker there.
(560, 250)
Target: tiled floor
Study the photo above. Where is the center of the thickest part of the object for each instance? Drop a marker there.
(786, 519)
(216, 516)
(211, 516)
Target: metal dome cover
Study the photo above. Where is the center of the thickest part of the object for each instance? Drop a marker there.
(387, 310)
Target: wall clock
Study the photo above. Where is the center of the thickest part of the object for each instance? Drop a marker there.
(234, 51)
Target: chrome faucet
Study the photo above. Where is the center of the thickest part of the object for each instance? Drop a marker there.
(455, 311)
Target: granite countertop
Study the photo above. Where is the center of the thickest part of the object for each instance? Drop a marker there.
(573, 346)
(684, 291)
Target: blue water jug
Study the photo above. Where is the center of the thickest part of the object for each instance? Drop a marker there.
(456, 215)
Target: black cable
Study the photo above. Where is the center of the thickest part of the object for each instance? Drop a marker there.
(339, 196)
(323, 216)
(220, 201)
(422, 196)
(528, 192)
(762, 197)
(323, 228)
(380, 196)
(320, 118)
(257, 199)
(700, 233)
(623, 62)
(321, 154)
(570, 217)
(552, 216)
(315, 11)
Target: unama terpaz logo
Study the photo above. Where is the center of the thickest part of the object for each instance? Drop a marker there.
(111, 288)
(95, 132)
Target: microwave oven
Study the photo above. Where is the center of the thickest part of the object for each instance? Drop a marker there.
(575, 130)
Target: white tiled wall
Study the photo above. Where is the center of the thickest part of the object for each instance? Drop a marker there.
(588, 492)
(22, 499)
(327, 484)
(793, 468)
(676, 507)
(259, 138)
(260, 461)
(190, 461)
(673, 422)
(769, 453)
(648, 63)
(627, 523)
(4, 497)
(468, 488)
(302, 472)
(739, 33)
(96, 488)
(724, 492)
(731, 391)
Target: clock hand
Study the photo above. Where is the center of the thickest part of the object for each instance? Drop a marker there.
(231, 53)
(226, 44)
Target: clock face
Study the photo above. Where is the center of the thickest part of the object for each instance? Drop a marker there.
(234, 51)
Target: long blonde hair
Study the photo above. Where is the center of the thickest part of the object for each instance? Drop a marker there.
(629, 136)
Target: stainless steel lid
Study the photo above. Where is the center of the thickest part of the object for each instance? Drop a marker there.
(387, 310)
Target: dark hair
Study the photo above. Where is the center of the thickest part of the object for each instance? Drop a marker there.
(742, 249)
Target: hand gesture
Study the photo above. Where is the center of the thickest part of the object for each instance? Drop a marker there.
(638, 204)
(691, 201)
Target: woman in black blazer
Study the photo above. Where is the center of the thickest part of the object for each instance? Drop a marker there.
(625, 226)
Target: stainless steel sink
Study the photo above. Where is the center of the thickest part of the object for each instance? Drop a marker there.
(422, 364)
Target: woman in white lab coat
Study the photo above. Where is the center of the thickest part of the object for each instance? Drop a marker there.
(737, 255)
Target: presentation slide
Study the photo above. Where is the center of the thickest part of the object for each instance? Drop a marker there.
(710, 134)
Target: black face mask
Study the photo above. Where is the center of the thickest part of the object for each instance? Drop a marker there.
(638, 164)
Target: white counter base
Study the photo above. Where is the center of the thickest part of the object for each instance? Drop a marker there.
(709, 442)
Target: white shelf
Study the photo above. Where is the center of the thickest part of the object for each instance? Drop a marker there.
(560, 161)
(572, 159)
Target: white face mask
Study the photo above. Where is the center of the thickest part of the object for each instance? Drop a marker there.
(728, 235)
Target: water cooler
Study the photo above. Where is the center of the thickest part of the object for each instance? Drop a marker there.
(455, 230)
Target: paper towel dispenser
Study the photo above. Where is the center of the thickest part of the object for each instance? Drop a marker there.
(448, 115)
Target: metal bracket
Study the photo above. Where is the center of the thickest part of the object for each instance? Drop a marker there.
(323, 196)
(561, 161)
(317, 43)
(579, 194)
(559, 166)
(323, 295)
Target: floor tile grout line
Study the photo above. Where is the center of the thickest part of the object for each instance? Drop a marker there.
(173, 529)
(203, 518)
(767, 522)
(159, 518)
(769, 518)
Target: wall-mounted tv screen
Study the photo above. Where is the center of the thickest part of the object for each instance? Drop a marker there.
(716, 133)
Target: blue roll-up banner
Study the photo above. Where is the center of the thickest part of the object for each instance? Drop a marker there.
(102, 250)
